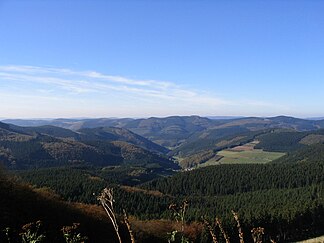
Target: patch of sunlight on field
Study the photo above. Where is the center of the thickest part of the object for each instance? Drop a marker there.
(243, 154)
(255, 156)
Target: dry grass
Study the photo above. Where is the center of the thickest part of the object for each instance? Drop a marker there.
(160, 228)
(129, 228)
(107, 201)
(256, 233)
(137, 189)
(314, 240)
(228, 142)
(255, 156)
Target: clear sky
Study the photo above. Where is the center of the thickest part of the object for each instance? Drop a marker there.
(65, 58)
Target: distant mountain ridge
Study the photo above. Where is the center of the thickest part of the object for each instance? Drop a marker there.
(170, 131)
(288, 189)
(183, 135)
(75, 124)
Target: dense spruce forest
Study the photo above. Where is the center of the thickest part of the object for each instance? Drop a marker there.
(275, 196)
(285, 196)
(161, 121)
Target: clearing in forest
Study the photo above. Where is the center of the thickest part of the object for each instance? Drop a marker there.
(244, 154)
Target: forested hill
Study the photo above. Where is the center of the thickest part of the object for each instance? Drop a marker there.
(285, 196)
(298, 169)
(200, 140)
(50, 146)
(173, 131)
(119, 134)
(307, 155)
(206, 145)
(287, 199)
(89, 134)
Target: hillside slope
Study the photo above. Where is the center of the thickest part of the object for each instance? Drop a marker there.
(28, 148)
(89, 134)
(173, 131)
(119, 134)
(20, 204)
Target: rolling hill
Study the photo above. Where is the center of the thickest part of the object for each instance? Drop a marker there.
(285, 196)
(119, 134)
(188, 138)
(22, 147)
(173, 131)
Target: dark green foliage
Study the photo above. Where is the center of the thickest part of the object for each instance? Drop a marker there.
(26, 153)
(137, 156)
(107, 134)
(82, 184)
(285, 196)
(208, 140)
(296, 123)
(284, 141)
(214, 140)
(170, 131)
(25, 148)
(173, 131)
(313, 153)
(4, 126)
(215, 134)
(231, 179)
(281, 141)
(48, 151)
(198, 158)
(119, 134)
(286, 214)
(47, 130)
(279, 211)
(286, 199)
(73, 184)
(21, 205)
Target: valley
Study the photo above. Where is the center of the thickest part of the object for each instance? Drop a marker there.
(161, 121)
(269, 170)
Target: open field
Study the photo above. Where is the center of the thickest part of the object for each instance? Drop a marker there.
(245, 154)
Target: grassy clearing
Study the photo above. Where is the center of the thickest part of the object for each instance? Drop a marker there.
(256, 156)
(245, 154)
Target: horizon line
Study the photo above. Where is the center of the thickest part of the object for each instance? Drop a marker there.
(147, 117)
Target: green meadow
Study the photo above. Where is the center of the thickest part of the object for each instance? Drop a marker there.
(255, 156)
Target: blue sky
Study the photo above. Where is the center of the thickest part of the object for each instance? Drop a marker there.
(160, 58)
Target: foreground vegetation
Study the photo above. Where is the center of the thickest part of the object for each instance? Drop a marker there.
(285, 198)
(68, 170)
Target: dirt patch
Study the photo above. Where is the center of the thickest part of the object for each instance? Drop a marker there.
(136, 189)
(224, 143)
(246, 147)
